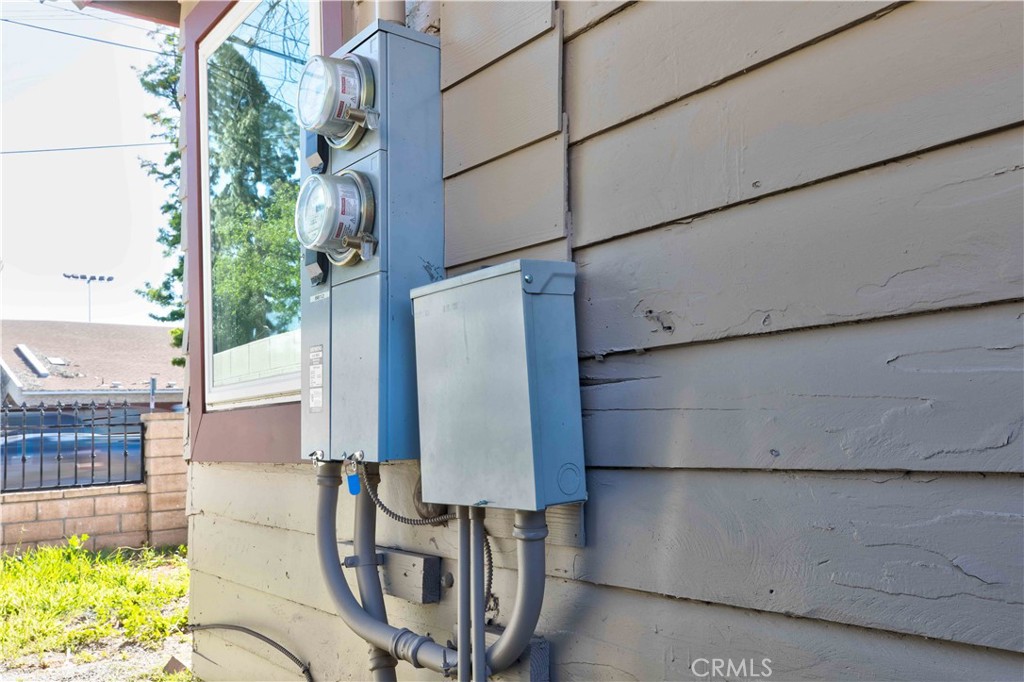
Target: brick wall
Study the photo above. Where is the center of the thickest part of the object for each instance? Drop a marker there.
(127, 515)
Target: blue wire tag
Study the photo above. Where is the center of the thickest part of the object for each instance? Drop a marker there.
(353, 481)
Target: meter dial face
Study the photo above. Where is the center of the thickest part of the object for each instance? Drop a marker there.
(331, 208)
(329, 89)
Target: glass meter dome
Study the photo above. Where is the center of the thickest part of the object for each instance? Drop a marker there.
(335, 99)
(334, 214)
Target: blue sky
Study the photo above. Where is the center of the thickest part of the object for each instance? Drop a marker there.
(92, 212)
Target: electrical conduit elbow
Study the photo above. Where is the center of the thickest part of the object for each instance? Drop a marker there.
(530, 530)
(420, 651)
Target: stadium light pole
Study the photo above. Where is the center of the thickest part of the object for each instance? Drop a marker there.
(89, 279)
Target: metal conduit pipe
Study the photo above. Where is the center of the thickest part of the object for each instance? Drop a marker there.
(477, 596)
(371, 594)
(420, 651)
(463, 603)
(530, 530)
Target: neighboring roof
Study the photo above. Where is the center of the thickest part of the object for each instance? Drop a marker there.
(165, 12)
(94, 355)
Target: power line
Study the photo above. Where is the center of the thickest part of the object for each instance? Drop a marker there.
(76, 149)
(86, 15)
(97, 40)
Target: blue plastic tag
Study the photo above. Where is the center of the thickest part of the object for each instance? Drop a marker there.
(353, 483)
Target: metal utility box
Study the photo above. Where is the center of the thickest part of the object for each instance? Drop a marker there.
(499, 390)
(358, 375)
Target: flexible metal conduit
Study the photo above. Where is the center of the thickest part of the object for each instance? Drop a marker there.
(476, 600)
(420, 651)
(371, 594)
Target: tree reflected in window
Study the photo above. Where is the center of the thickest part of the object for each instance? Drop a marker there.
(253, 154)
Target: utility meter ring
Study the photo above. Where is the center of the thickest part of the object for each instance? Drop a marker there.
(336, 97)
(334, 214)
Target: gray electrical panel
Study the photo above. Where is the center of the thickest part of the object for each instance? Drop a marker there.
(499, 397)
(358, 375)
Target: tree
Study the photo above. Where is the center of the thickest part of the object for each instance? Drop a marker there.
(254, 253)
(161, 79)
(252, 149)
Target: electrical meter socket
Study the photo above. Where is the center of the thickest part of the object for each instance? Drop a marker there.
(378, 215)
(499, 389)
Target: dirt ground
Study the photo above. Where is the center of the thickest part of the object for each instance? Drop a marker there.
(114, 663)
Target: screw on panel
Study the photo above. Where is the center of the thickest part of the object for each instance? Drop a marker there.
(528, 278)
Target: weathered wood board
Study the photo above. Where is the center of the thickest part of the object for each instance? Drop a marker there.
(582, 14)
(505, 107)
(316, 635)
(923, 75)
(655, 637)
(476, 34)
(927, 233)
(513, 202)
(938, 555)
(553, 250)
(942, 392)
(224, 490)
(681, 47)
(217, 657)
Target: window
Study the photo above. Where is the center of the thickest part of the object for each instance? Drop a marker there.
(249, 67)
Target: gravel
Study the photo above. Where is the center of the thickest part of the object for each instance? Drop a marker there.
(124, 663)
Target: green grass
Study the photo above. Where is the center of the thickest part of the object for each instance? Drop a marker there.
(61, 599)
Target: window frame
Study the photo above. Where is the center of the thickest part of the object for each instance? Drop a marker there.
(253, 434)
(280, 388)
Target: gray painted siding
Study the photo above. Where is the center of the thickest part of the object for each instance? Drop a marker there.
(834, 482)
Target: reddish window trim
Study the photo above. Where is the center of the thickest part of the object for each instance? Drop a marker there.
(252, 434)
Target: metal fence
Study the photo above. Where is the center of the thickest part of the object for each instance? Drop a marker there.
(69, 446)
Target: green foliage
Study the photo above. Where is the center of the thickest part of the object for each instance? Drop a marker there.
(64, 598)
(256, 271)
(252, 162)
(162, 79)
(254, 252)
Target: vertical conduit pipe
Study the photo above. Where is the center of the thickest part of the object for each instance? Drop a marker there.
(463, 605)
(476, 518)
(371, 594)
(421, 651)
(530, 530)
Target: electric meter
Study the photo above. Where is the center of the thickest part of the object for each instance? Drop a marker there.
(336, 99)
(334, 214)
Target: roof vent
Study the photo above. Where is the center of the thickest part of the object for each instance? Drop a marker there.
(172, 384)
(31, 360)
(116, 384)
(56, 361)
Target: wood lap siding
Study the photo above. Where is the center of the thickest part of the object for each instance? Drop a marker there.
(721, 198)
(934, 231)
(505, 144)
(520, 199)
(836, 106)
(925, 393)
(799, 232)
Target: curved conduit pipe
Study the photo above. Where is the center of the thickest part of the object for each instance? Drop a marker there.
(371, 594)
(529, 531)
(422, 652)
